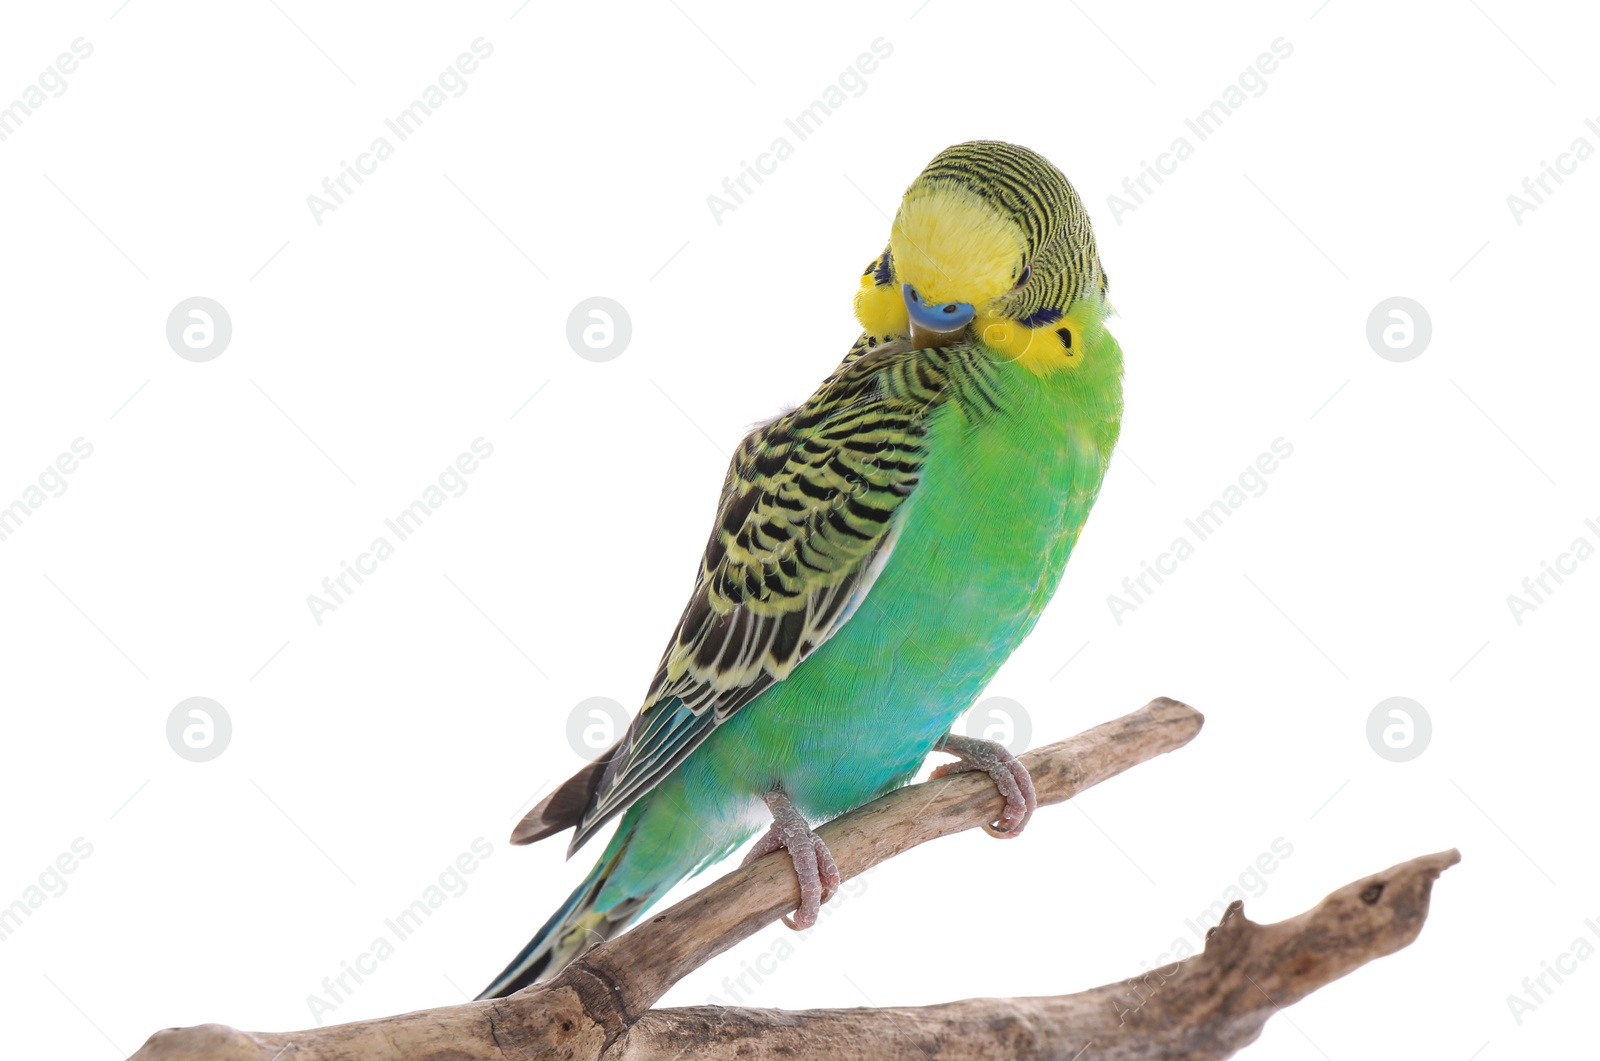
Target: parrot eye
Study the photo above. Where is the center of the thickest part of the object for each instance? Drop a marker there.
(1027, 272)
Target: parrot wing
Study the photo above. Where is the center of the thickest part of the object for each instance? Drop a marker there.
(805, 524)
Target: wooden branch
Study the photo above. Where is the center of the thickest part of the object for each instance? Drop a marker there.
(636, 969)
(600, 1005)
(1202, 1009)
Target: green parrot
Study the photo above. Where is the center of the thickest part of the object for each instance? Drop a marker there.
(878, 552)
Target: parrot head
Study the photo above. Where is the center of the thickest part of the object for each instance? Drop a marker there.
(990, 244)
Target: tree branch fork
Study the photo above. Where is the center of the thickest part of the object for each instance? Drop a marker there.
(1207, 1006)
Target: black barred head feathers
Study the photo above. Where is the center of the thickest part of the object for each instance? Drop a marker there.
(990, 242)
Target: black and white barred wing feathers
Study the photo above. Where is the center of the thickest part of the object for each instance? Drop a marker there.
(806, 519)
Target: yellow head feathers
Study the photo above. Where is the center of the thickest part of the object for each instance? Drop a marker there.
(952, 245)
(994, 235)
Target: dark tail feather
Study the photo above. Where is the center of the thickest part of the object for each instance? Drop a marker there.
(573, 929)
(566, 806)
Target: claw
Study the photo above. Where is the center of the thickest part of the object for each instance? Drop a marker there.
(1010, 777)
(814, 867)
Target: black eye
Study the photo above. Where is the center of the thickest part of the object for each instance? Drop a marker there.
(1027, 272)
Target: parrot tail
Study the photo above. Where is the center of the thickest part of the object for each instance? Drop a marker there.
(571, 930)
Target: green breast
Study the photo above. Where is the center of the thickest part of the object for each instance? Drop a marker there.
(1013, 468)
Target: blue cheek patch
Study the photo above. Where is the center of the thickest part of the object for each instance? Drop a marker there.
(1040, 318)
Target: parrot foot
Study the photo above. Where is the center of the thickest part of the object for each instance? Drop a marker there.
(1010, 776)
(814, 866)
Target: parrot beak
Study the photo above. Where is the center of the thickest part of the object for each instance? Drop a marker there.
(935, 324)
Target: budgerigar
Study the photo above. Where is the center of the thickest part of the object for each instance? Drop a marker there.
(878, 553)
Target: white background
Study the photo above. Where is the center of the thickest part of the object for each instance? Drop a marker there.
(369, 350)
